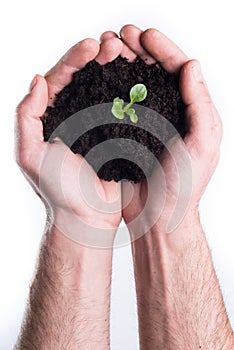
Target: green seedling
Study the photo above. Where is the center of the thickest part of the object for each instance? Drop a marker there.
(138, 93)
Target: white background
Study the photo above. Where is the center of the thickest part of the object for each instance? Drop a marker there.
(33, 37)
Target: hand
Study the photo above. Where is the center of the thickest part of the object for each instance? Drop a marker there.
(200, 145)
(52, 169)
(180, 304)
(70, 294)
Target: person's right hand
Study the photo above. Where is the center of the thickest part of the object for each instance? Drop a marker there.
(201, 143)
(52, 169)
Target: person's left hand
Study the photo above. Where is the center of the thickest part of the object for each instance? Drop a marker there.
(174, 190)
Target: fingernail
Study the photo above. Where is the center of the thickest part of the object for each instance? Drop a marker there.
(33, 83)
(197, 73)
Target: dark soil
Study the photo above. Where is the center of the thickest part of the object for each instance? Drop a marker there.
(96, 84)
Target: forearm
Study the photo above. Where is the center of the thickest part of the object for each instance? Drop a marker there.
(70, 297)
(180, 304)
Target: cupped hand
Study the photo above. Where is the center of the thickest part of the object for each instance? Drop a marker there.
(196, 155)
(52, 169)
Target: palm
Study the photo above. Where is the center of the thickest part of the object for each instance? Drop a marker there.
(64, 180)
(200, 146)
(58, 179)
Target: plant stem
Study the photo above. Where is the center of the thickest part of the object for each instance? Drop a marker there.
(128, 106)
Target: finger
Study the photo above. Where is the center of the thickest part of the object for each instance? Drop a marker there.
(108, 35)
(168, 54)
(204, 124)
(126, 51)
(29, 130)
(131, 36)
(76, 58)
(109, 50)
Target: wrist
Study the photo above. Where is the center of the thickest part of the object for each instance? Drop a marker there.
(183, 236)
(186, 230)
(90, 231)
(163, 250)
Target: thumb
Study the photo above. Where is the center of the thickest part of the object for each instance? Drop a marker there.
(35, 102)
(29, 130)
(202, 118)
(192, 84)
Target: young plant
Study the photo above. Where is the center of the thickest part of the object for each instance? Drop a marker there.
(138, 93)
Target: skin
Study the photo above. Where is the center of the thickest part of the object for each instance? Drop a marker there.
(69, 300)
(180, 304)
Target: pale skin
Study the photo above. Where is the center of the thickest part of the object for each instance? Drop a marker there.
(70, 296)
(180, 304)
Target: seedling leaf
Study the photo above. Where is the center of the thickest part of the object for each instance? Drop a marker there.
(117, 108)
(138, 93)
(132, 114)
